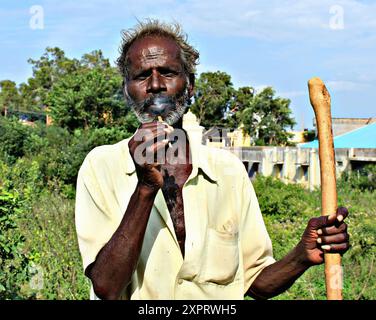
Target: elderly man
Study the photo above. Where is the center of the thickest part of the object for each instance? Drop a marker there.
(160, 216)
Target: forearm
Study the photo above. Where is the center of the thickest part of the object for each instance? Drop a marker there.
(279, 276)
(115, 263)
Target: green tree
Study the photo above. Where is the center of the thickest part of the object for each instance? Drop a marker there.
(89, 98)
(95, 59)
(9, 96)
(266, 118)
(14, 134)
(212, 99)
(46, 70)
(242, 99)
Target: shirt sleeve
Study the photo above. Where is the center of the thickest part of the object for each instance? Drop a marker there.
(255, 240)
(94, 225)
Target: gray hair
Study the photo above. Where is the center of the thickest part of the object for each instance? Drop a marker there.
(189, 55)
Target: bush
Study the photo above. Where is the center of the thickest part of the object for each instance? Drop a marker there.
(58, 152)
(283, 200)
(13, 259)
(15, 134)
(362, 179)
(71, 157)
(286, 230)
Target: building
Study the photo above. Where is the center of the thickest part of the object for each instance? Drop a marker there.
(341, 126)
(298, 164)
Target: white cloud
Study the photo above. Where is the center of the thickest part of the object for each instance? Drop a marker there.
(340, 85)
(274, 20)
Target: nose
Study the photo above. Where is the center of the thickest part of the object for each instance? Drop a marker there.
(156, 83)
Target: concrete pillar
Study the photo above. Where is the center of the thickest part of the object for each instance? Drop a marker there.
(286, 164)
(267, 162)
(314, 169)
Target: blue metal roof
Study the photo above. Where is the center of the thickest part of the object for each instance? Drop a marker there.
(364, 137)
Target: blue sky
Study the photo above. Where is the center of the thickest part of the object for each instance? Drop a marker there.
(259, 43)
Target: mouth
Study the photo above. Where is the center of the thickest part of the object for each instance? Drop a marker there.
(169, 108)
(158, 109)
(159, 106)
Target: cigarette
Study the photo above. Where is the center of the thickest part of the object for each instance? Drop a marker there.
(161, 120)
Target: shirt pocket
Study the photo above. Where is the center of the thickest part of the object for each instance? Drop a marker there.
(221, 257)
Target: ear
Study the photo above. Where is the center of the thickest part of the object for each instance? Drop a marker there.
(191, 85)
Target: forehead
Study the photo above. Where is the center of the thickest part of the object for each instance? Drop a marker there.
(152, 50)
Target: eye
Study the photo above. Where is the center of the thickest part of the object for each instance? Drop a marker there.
(168, 73)
(142, 76)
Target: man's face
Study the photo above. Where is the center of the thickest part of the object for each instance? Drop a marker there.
(157, 84)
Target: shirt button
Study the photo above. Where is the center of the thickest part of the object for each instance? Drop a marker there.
(180, 281)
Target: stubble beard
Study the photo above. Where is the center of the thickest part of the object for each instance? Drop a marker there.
(177, 105)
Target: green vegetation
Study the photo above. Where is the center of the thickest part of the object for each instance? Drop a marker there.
(38, 246)
(213, 93)
(287, 209)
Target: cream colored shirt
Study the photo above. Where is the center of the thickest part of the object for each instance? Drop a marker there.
(226, 246)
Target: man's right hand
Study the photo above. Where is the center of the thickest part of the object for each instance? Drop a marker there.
(144, 146)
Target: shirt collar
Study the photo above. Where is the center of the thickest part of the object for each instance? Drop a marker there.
(199, 156)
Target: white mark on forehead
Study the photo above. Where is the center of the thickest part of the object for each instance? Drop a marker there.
(154, 55)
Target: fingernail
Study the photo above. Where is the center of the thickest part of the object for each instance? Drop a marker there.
(319, 232)
(340, 218)
(319, 240)
(325, 247)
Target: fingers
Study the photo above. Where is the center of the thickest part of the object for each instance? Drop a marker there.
(334, 239)
(149, 139)
(342, 212)
(322, 221)
(336, 248)
(154, 148)
(151, 130)
(155, 125)
(337, 238)
(333, 229)
(150, 133)
(329, 220)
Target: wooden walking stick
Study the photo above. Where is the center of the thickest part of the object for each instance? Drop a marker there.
(320, 101)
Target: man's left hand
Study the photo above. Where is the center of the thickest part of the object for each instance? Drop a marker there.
(324, 234)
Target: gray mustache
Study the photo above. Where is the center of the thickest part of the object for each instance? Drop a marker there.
(159, 100)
